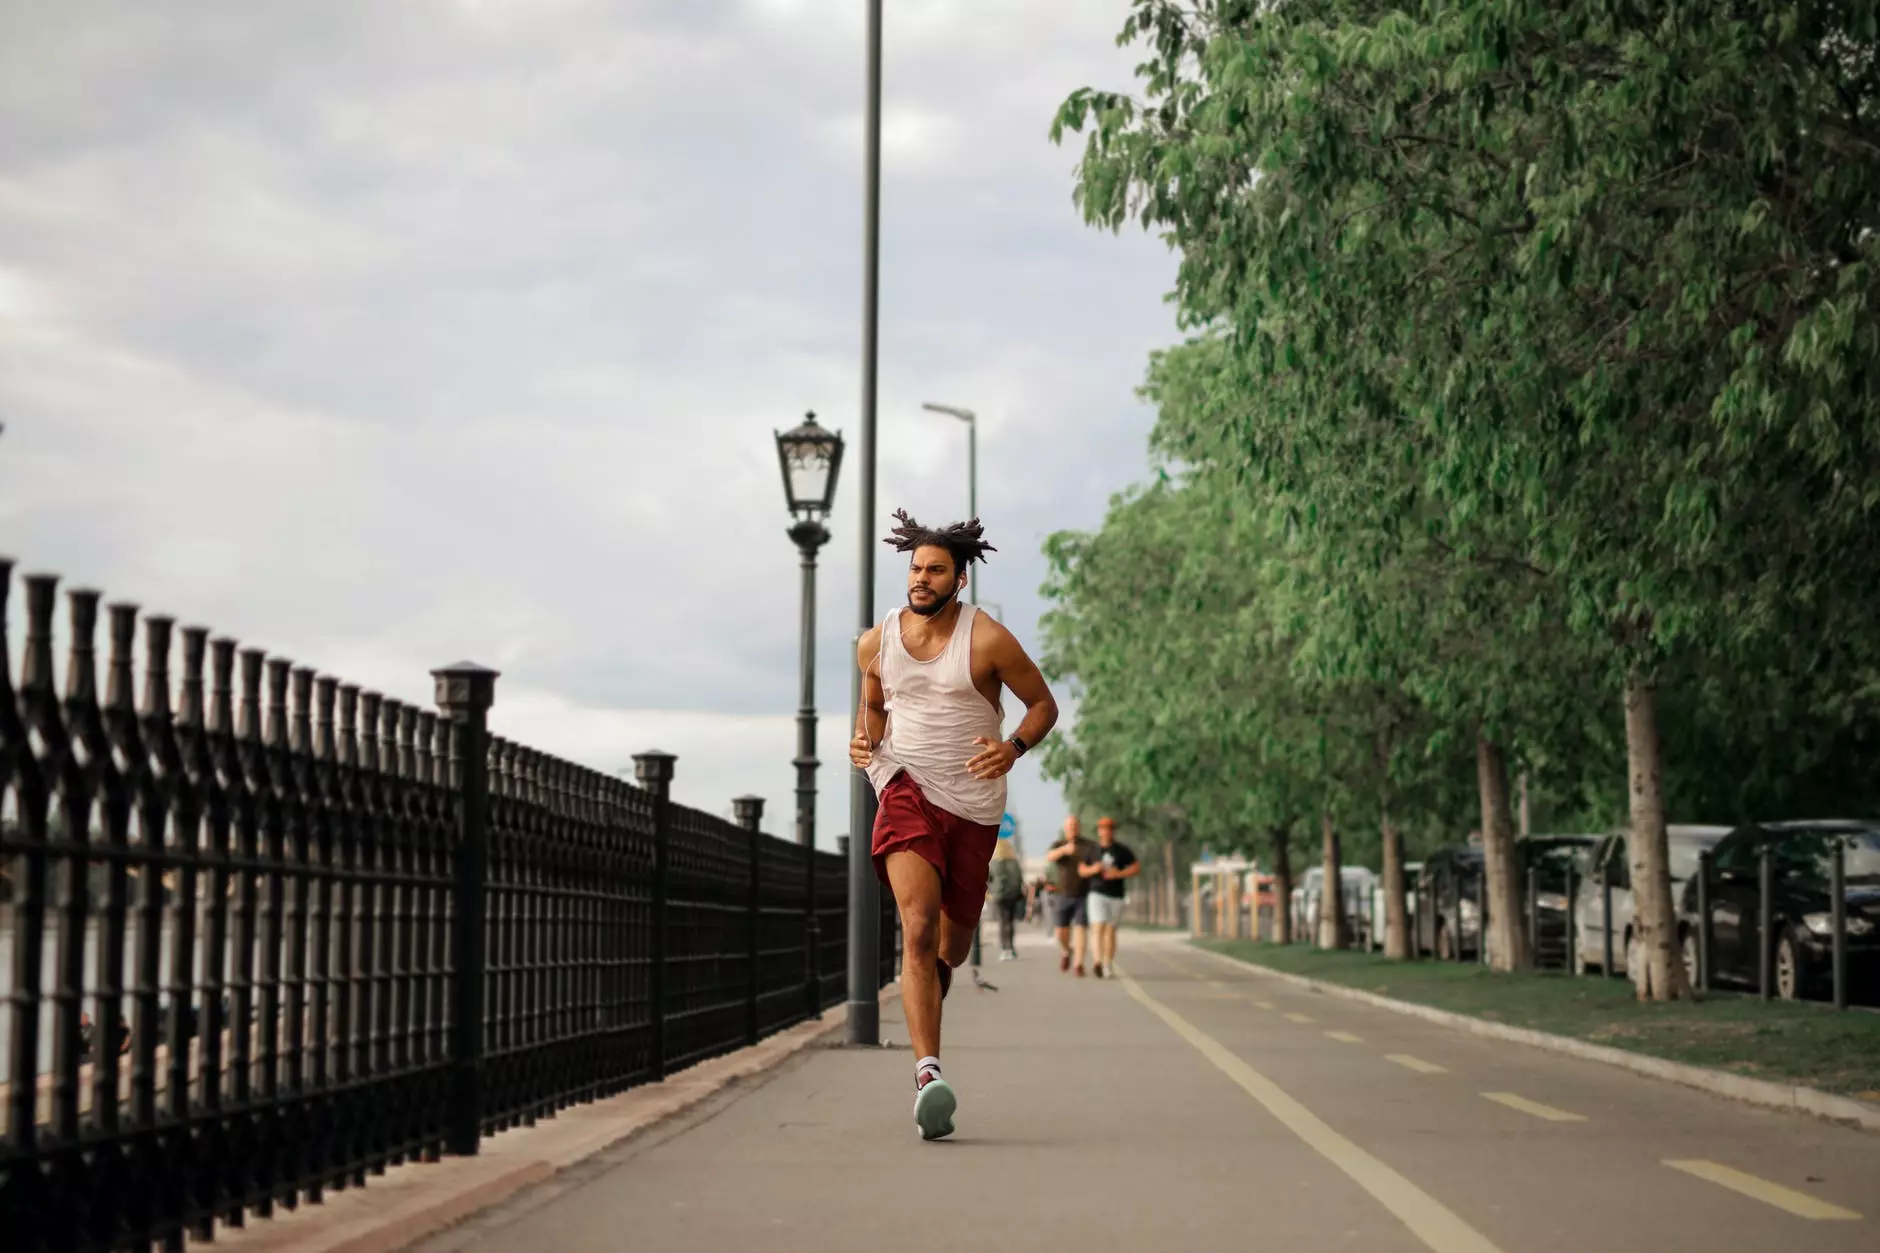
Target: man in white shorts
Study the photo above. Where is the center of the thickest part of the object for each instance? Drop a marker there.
(1107, 895)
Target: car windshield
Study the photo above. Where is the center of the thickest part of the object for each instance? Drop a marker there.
(1684, 854)
(1810, 855)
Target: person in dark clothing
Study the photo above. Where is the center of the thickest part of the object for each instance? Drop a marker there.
(1116, 864)
(1007, 889)
(1074, 861)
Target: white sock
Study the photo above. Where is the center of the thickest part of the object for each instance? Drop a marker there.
(924, 1065)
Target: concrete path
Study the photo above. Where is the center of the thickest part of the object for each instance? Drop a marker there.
(1196, 1104)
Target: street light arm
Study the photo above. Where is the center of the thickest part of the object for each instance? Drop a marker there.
(952, 411)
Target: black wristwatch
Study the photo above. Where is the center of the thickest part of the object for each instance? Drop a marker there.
(1019, 744)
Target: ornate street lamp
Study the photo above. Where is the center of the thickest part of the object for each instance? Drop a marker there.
(811, 459)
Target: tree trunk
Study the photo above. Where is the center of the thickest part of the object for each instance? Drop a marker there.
(1396, 917)
(1282, 885)
(1508, 938)
(1332, 899)
(1168, 873)
(1527, 813)
(1654, 920)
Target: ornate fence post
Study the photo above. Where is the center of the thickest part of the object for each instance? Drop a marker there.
(653, 769)
(465, 693)
(812, 936)
(750, 814)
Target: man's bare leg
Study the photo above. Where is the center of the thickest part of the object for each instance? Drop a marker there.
(1106, 944)
(1080, 943)
(956, 942)
(916, 887)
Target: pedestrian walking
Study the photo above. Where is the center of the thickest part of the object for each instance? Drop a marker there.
(1074, 859)
(1007, 891)
(929, 735)
(1116, 865)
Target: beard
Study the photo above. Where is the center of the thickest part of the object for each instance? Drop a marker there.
(934, 606)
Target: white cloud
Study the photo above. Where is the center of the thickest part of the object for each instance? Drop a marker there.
(389, 335)
(915, 141)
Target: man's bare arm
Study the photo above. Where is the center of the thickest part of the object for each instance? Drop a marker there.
(871, 720)
(1018, 672)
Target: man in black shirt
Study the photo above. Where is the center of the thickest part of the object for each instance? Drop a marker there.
(1074, 862)
(1116, 862)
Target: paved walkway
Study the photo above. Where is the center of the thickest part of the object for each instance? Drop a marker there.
(1196, 1104)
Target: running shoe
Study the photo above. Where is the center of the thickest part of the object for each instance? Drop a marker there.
(934, 1104)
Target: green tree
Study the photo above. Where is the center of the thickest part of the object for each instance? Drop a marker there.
(1599, 276)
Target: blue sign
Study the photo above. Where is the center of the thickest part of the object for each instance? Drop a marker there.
(1008, 826)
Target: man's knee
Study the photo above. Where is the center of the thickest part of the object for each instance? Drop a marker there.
(920, 932)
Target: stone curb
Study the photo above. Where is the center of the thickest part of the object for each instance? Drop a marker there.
(413, 1202)
(1839, 1109)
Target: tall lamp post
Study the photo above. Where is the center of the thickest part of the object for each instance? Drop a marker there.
(864, 980)
(972, 468)
(811, 458)
(971, 420)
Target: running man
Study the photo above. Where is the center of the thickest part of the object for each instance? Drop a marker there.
(1116, 864)
(929, 736)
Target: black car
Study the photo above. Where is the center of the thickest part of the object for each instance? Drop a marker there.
(1550, 857)
(1801, 908)
(1445, 911)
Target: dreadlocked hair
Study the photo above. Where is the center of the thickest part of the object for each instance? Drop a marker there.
(965, 540)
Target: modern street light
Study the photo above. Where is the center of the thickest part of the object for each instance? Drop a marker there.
(972, 511)
(811, 459)
(864, 990)
(972, 469)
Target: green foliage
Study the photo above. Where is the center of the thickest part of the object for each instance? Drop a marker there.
(1530, 345)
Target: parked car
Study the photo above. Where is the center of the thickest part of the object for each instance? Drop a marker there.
(1801, 909)
(1550, 855)
(1451, 927)
(1378, 913)
(1609, 864)
(1359, 885)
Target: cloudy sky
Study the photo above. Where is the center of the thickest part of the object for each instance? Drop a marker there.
(382, 335)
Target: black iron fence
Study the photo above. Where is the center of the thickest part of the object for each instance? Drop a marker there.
(270, 934)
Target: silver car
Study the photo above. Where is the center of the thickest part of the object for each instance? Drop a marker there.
(1360, 884)
(1610, 865)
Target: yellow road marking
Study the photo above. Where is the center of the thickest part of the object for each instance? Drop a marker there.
(1533, 1107)
(1433, 1223)
(1799, 1204)
(1264, 1004)
(1344, 1037)
(1416, 1064)
(1299, 1017)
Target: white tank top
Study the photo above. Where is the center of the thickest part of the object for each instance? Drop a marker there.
(934, 714)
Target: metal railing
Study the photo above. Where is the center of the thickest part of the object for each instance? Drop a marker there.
(269, 933)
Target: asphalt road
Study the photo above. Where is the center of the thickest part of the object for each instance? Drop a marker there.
(1195, 1104)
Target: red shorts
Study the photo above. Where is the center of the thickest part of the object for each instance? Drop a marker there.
(907, 822)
